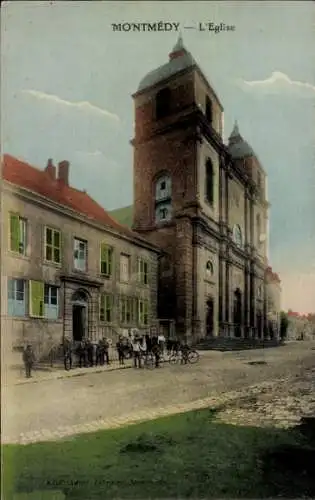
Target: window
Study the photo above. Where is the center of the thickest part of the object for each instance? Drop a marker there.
(106, 308)
(51, 302)
(52, 245)
(209, 181)
(259, 291)
(208, 110)
(16, 297)
(37, 299)
(237, 236)
(124, 268)
(163, 188)
(106, 259)
(209, 268)
(80, 254)
(127, 310)
(143, 312)
(143, 271)
(258, 229)
(163, 103)
(163, 198)
(17, 234)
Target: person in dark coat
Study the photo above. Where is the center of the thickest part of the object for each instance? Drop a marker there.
(82, 354)
(100, 353)
(185, 351)
(156, 351)
(148, 342)
(89, 352)
(106, 349)
(29, 360)
(67, 352)
(120, 350)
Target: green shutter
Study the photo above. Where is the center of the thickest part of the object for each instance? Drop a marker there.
(14, 232)
(37, 298)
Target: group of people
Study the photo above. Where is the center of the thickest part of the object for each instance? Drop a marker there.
(90, 354)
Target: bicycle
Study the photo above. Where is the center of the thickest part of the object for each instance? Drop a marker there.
(67, 361)
(192, 357)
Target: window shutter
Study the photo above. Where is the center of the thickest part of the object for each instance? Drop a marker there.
(37, 298)
(14, 232)
(105, 259)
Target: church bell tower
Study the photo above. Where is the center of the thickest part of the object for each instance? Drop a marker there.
(177, 141)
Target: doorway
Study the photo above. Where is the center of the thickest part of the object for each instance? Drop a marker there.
(78, 322)
(209, 317)
(238, 313)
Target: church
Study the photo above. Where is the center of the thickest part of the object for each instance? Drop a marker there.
(202, 202)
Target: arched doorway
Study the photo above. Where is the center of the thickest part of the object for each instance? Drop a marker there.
(79, 315)
(209, 317)
(238, 312)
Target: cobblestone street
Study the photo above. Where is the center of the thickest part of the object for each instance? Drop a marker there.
(272, 386)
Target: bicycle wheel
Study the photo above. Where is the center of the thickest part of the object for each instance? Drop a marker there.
(193, 357)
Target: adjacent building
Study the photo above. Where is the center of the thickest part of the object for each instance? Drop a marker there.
(68, 268)
(273, 299)
(203, 202)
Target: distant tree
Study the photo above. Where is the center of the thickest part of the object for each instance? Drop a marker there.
(284, 323)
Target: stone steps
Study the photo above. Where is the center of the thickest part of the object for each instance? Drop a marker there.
(235, 344)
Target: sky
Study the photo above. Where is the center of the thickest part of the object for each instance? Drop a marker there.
(67, 79)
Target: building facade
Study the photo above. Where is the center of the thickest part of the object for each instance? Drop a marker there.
(273, 299)
(203, 202)
(68, 269)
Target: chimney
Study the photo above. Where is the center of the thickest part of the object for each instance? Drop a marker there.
(63, 172)
(50, 169)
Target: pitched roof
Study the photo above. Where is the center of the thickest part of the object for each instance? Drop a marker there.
(39, 181)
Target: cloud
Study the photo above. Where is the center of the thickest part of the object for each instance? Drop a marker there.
(90, 153)
(85, 106)
(278, 83)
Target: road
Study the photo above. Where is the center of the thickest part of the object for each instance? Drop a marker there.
(56, 404)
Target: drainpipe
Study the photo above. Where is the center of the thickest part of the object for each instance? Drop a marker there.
(64, 311)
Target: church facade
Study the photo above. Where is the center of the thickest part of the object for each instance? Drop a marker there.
(204, 203)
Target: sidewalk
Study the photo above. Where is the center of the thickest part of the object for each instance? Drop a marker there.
(45, 372)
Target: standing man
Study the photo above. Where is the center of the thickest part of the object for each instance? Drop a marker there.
(161, 342)
(67, 353)
(106, 349)
(82, 353)
(136, 349)
(156, 351)
(120, 350)
(89, 352)
(29, 360)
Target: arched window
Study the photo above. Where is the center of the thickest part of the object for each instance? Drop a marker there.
(258, 229)
(208, 110)
(260, 291)
(163, 188)
(209, 181)
(163, 198)
(209, 268)
(238, 236)
(163, 103)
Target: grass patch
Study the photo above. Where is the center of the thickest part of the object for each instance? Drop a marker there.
(183, 456)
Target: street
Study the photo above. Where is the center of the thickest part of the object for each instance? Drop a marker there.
(68, 404)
